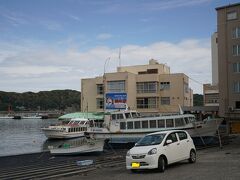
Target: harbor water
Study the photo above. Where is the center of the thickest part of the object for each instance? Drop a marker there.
(23, 136)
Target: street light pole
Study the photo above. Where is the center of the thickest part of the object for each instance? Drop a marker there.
(104, 81)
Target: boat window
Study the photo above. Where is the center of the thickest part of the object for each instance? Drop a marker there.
(137, 125)
(144, 124)
(120, 116)
(169, 123)
(161, 123)
(130, 125)
(134, 115)
(191, 119)
(182, 135)
(153, 124)
(114, 116)
(127, 115)
(82, 122)
(179, 122)
(122, 125)
(186, 120)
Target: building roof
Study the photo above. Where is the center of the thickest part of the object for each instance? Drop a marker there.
(89, 115)
(228, 6)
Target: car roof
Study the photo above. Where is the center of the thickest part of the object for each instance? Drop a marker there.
(166, 132)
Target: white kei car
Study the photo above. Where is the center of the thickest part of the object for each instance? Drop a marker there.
(157, 150)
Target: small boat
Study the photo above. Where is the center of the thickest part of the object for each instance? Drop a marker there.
(32, 117)
(78, 146)
(128, 126)
(6, 117)
(74, 128)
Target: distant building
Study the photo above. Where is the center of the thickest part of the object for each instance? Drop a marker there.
(147, 88)
(211, 91)
(211, 95)
(228, 29)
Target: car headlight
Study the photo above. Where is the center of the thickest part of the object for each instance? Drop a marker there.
(152, 151)
(128, 153)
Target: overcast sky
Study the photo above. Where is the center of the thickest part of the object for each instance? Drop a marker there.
(46, 45)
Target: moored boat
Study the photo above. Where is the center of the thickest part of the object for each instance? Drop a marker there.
(74, 128)
(129, 126)
(78, 146)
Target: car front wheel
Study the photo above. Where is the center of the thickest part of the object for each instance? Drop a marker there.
(192, 158)
(161, 164)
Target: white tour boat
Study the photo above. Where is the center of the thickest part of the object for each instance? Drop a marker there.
(78, 146)
(128, 126)
(74, 128)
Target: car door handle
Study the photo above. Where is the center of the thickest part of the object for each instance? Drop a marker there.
(178, 143)
(187, 140)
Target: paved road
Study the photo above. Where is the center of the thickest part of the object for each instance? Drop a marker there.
(212, 164)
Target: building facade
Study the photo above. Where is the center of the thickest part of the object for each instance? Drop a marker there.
(211, 95)
(149, 88)
(228, 41)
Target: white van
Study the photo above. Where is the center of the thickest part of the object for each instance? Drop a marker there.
(157, 150)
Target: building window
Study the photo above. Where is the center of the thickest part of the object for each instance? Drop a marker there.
(164, 85)
(165, 100)
(99, 103)
(236, 67)
(99, 89)
(237, 104)
(116, 86)
(236, 33)
(236, 50)
(232, 15)
(147, 103)
(236, 87)
(186, 88)
(146, 87)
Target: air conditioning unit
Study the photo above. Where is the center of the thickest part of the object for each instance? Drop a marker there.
(230, 108)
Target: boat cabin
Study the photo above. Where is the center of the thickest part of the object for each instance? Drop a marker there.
(132, 121)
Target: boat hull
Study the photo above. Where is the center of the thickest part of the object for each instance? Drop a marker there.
(86, 147)
(203, 129)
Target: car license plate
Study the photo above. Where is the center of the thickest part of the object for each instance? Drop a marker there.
(135, 165)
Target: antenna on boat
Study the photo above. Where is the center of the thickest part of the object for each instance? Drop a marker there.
(180, 109)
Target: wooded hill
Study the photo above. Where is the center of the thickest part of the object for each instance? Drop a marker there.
(43, 100)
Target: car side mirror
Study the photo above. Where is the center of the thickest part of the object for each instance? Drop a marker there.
(169, 141)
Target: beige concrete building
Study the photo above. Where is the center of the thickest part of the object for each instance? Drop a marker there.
(211, 95)
(228, 29)
(149, 88)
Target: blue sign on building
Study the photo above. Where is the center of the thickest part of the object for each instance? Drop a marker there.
(116, 101)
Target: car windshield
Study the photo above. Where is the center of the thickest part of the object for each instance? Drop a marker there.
(150, 140)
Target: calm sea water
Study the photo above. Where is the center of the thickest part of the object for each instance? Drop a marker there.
(23, 136)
